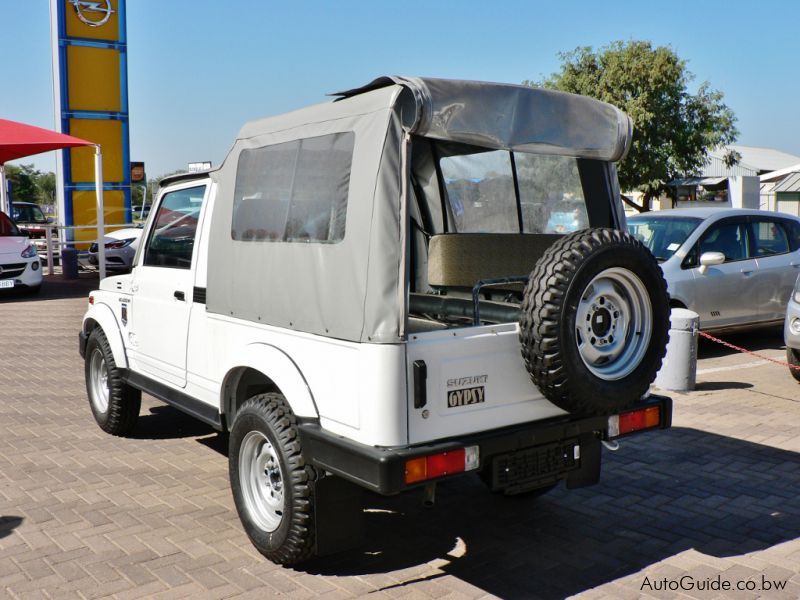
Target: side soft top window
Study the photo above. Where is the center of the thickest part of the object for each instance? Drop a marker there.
(294, 192)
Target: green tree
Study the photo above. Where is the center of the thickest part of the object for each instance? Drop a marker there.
(46, 184)
(23, 182)
(673, 129)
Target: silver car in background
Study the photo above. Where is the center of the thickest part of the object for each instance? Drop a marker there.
(733, 267)
(791, 331)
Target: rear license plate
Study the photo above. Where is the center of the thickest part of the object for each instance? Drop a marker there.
(534, 464)
(6, 283)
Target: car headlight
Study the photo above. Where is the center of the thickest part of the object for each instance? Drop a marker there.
(117, 244)
(796, 292)
(29, 251)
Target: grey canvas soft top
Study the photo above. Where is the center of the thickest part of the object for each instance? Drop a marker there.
(511, 117)
(354, 287)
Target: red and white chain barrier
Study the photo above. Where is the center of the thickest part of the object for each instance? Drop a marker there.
(746, 351)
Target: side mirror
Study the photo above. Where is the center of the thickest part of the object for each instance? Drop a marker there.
(708, 259)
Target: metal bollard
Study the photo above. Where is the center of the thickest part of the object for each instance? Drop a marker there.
(679, 369)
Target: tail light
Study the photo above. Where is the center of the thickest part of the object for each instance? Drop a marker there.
(634, 420)
(432, 466)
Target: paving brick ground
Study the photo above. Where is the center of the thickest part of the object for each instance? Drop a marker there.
(86, 515)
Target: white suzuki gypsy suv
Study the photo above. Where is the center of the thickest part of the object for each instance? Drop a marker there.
(420, 279)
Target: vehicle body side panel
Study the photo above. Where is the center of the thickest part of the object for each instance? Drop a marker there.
(357, 390)
(776, 277)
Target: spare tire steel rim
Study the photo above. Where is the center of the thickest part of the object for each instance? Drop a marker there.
(613, 323)
(261, 481)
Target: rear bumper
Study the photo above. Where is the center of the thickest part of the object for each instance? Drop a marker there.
(382, 470)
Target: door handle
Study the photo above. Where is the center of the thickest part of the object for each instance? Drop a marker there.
(746, 272)
(180, 295)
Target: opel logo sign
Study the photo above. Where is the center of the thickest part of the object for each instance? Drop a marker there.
(93, 14)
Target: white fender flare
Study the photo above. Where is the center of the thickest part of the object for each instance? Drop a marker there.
(281, 369)
(105, 319)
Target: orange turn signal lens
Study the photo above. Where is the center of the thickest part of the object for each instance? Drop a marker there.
(453, 461)
(416, 470)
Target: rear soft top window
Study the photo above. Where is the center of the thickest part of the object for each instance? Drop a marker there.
(515, 192)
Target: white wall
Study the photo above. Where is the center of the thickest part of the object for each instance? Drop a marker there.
(744, 192)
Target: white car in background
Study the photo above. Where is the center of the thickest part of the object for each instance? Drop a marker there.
(19, 261)
(120, 249)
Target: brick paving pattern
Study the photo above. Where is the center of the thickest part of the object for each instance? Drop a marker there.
(87, 515)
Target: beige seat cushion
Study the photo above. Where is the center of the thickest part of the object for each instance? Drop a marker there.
(463, 259)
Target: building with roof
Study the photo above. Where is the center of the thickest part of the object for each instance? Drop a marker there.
(716, 180)
(780, 190)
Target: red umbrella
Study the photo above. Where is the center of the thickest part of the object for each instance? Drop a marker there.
(18, 140)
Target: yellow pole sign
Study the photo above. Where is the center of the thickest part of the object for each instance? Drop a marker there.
(90, 58)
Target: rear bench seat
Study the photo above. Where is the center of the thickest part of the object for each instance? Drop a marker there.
(457, 261)
(460, 260)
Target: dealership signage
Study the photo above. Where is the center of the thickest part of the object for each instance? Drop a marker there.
(90, 58)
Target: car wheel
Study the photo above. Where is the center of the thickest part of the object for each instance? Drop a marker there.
(270, 481)
(115, 405)
(793, 359)
(594, 321)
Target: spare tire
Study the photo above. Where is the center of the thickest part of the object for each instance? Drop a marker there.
(594, 321)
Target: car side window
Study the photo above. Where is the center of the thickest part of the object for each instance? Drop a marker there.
(173, 231)
(792, 229)
(768, 238)
(729, 238)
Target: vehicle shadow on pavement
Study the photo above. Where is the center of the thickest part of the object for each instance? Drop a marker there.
(8, 524)
(659, 495)
(164, 422)
(54, 287)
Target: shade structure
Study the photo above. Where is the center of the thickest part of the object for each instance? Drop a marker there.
(18, 140)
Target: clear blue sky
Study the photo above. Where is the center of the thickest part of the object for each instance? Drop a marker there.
(199, 68)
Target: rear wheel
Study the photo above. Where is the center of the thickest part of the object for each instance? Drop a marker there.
(270, 481)
(115, 405)
(793, 358)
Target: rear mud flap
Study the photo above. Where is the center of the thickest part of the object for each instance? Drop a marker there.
(339, 515)
(589, 471)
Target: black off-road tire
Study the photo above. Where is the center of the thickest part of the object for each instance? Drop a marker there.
(548, 321)
(793, 358)
(293, 540)
(124, 402)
